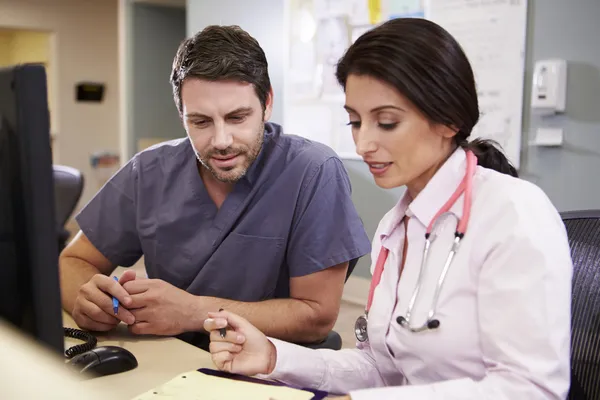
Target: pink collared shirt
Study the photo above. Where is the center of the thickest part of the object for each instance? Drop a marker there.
(505, 307)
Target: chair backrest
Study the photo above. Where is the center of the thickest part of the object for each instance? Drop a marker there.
(583, 229)
(68, 186)
(351, 266)
(352, 263)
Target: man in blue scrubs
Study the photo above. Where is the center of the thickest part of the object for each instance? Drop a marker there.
(238, 215)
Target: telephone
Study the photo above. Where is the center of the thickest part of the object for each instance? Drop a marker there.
(89, 339)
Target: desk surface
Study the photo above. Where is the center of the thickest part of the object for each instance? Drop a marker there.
(160, 359)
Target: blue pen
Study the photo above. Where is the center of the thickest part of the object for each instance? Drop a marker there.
(115, 300)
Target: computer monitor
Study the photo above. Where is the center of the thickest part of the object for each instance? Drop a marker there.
(29, 283)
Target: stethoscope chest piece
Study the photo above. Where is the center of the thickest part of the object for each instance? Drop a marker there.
(360, 328)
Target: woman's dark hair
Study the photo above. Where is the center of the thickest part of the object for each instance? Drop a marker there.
(428, 67)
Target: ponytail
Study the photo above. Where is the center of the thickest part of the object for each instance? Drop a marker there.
(490, 156)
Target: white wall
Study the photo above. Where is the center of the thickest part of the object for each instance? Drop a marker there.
(568, 174)
(262, 19)
(86, 49)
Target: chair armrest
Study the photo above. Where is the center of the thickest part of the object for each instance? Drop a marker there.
(333, 341)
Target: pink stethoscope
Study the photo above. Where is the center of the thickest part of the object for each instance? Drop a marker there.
(466, 186)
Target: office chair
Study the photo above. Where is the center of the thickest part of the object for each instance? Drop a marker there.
(583, 229)
(68, 186)
(333, 340)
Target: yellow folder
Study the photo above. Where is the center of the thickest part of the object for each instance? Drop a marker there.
(195, 385)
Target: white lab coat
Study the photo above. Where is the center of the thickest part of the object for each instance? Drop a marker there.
(504, 308)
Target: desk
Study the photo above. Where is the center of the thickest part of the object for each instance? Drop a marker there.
(160, 359)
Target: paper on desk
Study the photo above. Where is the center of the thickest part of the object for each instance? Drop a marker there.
(195, 385)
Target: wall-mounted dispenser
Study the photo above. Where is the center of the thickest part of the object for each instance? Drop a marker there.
(549, 88)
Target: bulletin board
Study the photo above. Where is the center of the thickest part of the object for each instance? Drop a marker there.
(491, 32)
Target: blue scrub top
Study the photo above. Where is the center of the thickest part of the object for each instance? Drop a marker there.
(289, 216)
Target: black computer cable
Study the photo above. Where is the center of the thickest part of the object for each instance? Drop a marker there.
(89, 339)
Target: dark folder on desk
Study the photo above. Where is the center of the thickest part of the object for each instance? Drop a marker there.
(317, 394)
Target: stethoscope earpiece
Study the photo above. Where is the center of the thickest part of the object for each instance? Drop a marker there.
(433, 324)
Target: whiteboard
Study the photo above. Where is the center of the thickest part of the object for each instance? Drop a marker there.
(491, 32)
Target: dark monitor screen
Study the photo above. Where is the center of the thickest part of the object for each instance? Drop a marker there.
(29, 283)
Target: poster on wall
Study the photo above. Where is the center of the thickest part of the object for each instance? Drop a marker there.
(492, 33)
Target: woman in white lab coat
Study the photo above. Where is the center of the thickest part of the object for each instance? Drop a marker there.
(498, 325)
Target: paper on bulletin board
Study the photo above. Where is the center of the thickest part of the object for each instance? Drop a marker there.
(312, 121)
(303, 78)
(342, 140)
(359, 31)
(406, 9)
(375, 12)
(331, 43)
(301, 71)
(492, 33)
(344, 143)
(358, 13)
(330, 8)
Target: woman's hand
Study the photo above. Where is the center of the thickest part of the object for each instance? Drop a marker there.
(244, 350)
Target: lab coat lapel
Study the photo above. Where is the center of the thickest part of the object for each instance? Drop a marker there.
(439, 189)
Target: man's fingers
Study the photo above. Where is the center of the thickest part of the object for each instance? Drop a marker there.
(140, 314)
(139, 300)
(95, 313)
(137, 286)
(103, 301)
(127, 276)
(140, 328)
(112, 288)
(106, 314)
(125, 315)
(85, 322)
(217, 347)
(122, 313)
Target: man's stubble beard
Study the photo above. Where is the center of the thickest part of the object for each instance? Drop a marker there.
(250, 156)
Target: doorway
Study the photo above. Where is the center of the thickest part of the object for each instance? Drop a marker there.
(157, 29)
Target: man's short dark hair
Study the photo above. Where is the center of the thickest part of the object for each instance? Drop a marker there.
(220, 53)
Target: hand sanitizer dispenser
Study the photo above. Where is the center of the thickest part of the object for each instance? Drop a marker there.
(549, 89)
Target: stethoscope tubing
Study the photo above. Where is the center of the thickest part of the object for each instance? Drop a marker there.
(465, 188)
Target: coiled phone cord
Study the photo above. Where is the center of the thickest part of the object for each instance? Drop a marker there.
(89, 339)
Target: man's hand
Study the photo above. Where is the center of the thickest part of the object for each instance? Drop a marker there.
(93, 308)
(160, 308)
